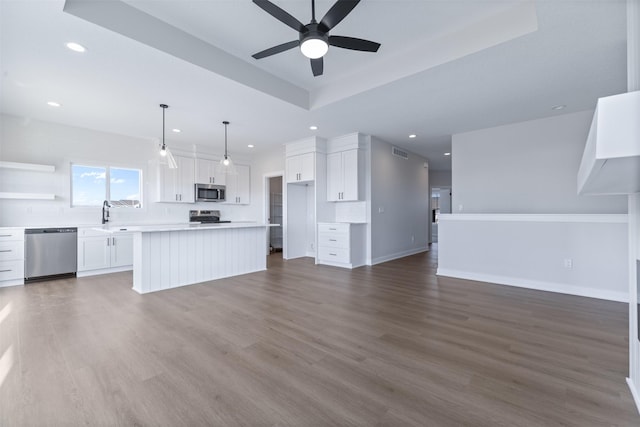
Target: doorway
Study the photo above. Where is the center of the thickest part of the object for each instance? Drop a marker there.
(273, 202)
(440, 204)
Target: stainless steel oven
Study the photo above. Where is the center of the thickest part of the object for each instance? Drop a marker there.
(210, 193)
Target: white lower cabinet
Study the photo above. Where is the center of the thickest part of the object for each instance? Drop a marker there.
(11, 257)
(103, 253)
(341, 244)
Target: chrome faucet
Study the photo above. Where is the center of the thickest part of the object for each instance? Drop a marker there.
(105, 211)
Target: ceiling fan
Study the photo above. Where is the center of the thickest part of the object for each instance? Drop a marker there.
(314, 37)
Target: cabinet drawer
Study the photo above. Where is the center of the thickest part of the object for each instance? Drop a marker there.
(10, 251)
(6, 235)
(334, 254)
(333, 240)
(326, 227)
(10, 270)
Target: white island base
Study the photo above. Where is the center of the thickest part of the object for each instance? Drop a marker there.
(173, 256)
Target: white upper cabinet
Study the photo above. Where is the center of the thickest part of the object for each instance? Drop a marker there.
(239, 186)
(343, 176)
(300, 168)
(611, 160)
(177, 185)
(206, 172)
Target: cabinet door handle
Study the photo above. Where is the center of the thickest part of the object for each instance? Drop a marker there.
(5, 235)
(332, 254)
(213, 179)
(6, 250)
(113, 241)
(5, 271)
(332, 228)
(108, 241)
(332, 240)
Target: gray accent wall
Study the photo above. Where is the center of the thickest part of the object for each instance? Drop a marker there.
(399, 203)
(527, 167)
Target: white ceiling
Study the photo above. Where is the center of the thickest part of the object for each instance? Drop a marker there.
(444, 67)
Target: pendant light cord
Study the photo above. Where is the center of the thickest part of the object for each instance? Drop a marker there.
(164, 107)
(313, 11)
(225, 123)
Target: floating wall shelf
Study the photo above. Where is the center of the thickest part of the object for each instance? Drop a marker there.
(31, 167)
(28, 196)
(28, 166)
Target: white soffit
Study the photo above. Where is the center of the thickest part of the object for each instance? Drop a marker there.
(506, 25)
(417, 56)
(130, 22)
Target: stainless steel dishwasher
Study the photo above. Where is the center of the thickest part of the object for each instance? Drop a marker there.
(50, 252)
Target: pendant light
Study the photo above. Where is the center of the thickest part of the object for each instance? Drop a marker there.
(226, 164)
(164, 151)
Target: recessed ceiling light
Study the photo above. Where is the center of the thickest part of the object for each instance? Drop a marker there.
(413, 135)
(250, 145)
(559, 107)
(76, 47)
(176, 130)
(313, 127)
(54, 104)
(447, 154)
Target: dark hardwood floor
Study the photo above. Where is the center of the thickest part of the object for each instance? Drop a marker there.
(305, 345)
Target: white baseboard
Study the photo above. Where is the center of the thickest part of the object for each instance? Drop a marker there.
(397, 255)
(634, 392)
(103, 271)
(13, 282)
(561, 288)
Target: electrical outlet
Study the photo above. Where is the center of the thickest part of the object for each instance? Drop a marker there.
(413, 239)
(568, 263)
(460, 208)
(381, 209)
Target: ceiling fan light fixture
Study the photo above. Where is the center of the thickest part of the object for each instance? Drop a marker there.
(314, 47)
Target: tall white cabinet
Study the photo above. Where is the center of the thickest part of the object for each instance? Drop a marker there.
(304, 198)
(345, 168)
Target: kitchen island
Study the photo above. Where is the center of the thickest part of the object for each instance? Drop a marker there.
(170, 256)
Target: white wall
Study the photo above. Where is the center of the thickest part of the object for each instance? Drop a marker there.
(439, 179)
(527, 167)
(523, 170)
(532, 250)
(400, 188)
(32, 141)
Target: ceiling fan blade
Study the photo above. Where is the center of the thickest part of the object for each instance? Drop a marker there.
(317, 66)
(337, 13)
(353, 43)
(280, 14)
(276, 49)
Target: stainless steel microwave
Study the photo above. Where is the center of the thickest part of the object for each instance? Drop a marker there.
(210, 193)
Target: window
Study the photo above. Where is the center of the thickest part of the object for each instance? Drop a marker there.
(92, 185)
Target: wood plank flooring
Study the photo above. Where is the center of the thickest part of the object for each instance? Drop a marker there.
(306, 345)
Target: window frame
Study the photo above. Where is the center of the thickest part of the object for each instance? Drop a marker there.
(108, 184)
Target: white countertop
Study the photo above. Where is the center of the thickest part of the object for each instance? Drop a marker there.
(178, 227)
